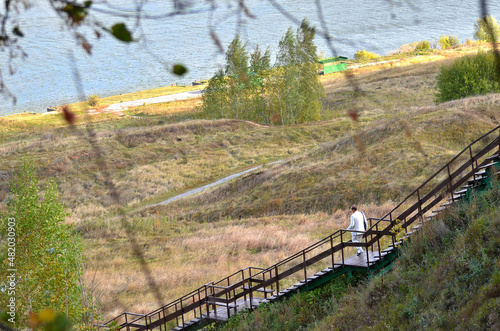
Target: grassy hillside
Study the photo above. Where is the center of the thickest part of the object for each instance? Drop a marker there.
(399, 138)
(448, 278)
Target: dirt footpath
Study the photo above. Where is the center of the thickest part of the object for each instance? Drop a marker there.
(121, 106)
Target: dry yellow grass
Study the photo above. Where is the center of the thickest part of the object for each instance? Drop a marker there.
(208, 252)
(260, 218)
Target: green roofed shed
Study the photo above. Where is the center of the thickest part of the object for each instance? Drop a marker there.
(333, 64)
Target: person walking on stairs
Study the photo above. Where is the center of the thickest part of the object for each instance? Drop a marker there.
(358, 223)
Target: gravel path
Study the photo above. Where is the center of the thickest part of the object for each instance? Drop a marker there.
(164, 98)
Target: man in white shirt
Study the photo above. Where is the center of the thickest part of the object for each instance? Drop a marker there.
(357, 224)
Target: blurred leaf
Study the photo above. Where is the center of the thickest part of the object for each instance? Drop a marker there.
(69, 116)
(121, 32)
(75, 13)
(47, 315)
(18, 32)
(87, 47)
(353, 115)
(179, 69)
(88, 4)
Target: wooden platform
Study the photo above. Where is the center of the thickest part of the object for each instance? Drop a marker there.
(362, 260)
(221, 313)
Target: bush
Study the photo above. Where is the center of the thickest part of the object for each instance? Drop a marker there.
(93, 100)
(363, 55)
(467, 76)
(423, 45)
(481, 31)
(448, 41)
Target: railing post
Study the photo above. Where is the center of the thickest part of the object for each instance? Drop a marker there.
(250, 287)
(126, 322)
(304, 262)
(367, 253)
(333, 253)
(371, 234)
(471, 157)
(182, 315)
(378, 242)
(419, 203)
(342, 246)
(177, 318)
(227, 304)
(207, 304)
(199, 300)
(450, 179)
(242, 279)
(264, 279)
(498, 141)
(277, 280)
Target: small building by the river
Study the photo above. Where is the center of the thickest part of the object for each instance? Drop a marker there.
(333, 64)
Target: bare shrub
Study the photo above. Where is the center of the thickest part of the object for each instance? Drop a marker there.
(93, 101)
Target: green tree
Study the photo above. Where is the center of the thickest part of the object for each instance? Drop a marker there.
(487, 29)
(253, 90)
(47, 252)
(237, 71)
(260, 61)
(215, 99)
(300, 86)
(260, 65)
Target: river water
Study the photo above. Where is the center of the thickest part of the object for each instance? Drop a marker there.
(48, 76)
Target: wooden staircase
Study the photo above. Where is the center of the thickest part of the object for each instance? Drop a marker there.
(470, 171)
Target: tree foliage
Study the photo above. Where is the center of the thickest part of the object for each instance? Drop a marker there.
(487, 29)
(468, 76)
(363, 55)
(47, 253)
(252, 89)
(446, 41)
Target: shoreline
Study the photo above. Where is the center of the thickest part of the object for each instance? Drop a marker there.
(134, 99)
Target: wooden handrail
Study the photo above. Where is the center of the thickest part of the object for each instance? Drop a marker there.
(380, 229)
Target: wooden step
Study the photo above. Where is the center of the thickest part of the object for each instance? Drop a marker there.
(476, 179)
(215, 318)
(321, 273)
(488, 165)
(438, 211)
(446, 204)
(263, 290)
(494, 156)
(311, 278)
(455, 197)
(480, 173)
(223, 304)
(461, 192)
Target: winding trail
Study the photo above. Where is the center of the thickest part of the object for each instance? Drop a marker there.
(205, 187)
